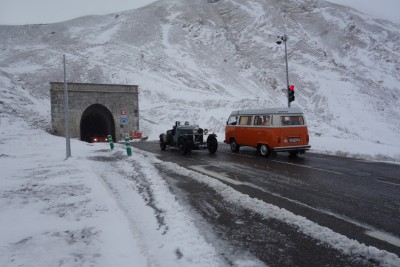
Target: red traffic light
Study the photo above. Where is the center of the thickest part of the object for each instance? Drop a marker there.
(291, 93)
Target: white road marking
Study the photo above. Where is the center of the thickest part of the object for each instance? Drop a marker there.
(388, 182)
(309, 167)
(384, 237)
(221, 175)
(304, 166)
(237, 154)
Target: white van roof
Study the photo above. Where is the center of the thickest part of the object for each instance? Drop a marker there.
(267, 111)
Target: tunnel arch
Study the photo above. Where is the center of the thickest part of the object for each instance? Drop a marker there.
(96, 119)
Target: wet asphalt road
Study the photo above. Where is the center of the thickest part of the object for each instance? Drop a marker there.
(356, 198)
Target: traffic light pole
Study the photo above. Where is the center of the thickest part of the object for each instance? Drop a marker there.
(285, 38)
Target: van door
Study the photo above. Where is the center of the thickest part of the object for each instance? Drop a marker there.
(243, 132)
(263, 130)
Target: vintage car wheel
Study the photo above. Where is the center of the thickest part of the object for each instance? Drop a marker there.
(184, 145)
(234, 146)
(163, 145)
(264, 150)
(212, 144)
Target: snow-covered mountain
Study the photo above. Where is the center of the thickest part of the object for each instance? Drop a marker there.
(199, 60)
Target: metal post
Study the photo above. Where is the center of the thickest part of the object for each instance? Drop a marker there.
(66, 115)
(285, 38)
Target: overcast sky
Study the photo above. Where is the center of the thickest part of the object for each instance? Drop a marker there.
(48, 11)
(19, 12)
(384, 9)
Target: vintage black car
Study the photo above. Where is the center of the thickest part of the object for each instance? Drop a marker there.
(187, 137)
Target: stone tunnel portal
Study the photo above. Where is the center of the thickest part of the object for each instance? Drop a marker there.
(96, 119)
(95, 109)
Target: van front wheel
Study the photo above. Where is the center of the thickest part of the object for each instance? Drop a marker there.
(264, 150)
(234, 146)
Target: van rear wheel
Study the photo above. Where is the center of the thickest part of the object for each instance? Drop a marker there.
(264, 150)
(234, 146)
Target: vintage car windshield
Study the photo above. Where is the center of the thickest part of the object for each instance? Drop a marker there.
(185, 123)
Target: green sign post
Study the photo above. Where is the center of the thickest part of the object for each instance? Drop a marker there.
(128, 146)
(110, 140)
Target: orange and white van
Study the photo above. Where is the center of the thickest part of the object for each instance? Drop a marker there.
(268, 130)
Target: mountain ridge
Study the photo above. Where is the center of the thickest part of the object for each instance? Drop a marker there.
(200, 60)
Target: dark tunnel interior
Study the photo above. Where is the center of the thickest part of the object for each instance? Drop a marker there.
(96, 119)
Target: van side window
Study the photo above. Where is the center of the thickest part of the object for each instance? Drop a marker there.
(292, 120)
(262, 120)
(232, 120)
(266, 120)
(257, 120)
(245, 120)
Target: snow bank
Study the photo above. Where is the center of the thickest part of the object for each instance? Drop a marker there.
(88, 210)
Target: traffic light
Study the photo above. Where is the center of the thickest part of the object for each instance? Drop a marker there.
(291, 93)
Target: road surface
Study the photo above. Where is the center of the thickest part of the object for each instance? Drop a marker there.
(355, 198)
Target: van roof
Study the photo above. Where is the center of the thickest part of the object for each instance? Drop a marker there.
(267, 111)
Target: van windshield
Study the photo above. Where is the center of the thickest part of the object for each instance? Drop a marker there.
(292, 120)
(232, 120)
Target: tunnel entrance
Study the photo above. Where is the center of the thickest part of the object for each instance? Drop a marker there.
(95, 120)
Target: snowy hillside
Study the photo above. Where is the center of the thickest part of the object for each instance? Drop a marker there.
(199, 60)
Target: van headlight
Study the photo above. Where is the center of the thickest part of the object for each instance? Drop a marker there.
(205, 131)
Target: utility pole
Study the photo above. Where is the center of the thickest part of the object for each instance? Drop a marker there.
(66, 114)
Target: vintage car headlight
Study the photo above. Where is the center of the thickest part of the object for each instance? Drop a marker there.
(205, 131)
(195, 131)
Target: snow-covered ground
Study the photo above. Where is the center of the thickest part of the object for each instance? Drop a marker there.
(103, 208)
(88, 210)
